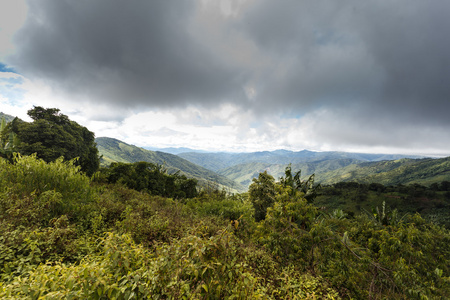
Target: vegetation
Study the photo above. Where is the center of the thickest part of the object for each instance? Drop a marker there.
(330, 167)
(404, 171)
(66, 236)
(145, 176)
(136, 231)
(433, 202)
(237, 170)
(8, 118)
(221, 161)
(9, 142)
(52, 135)
(113, 150)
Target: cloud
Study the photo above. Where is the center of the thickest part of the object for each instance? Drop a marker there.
(348, 73)
(140, 54)
(12, 15)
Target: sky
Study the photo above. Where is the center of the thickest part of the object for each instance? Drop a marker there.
(236, 75)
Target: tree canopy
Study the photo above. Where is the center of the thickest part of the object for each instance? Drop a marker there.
(52, 135)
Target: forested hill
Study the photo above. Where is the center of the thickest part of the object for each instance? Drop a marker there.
(331, 166)
(403, 171)
(113, 150)
(244, 173)
(8, 118)
(221, 161)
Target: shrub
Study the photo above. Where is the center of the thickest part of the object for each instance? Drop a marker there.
(32, 190)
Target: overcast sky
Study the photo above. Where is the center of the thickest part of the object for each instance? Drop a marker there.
(236, 75)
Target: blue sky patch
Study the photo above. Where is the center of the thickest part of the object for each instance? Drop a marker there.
(5, 68)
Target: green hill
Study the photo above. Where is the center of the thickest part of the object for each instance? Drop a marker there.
(329, 167)
(220, 161)
(244, 173)
(243, 167)
(8, 118)
(113, 150)
(403, 171)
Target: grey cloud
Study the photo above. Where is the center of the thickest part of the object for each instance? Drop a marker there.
(122, 52)
(383, 59)
(393, 57)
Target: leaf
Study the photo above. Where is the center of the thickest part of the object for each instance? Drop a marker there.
(345, 239)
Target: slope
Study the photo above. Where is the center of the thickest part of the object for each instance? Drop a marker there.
(244, 173)
(403, 171)
(113, 150)
(8, 118)
(221, 160)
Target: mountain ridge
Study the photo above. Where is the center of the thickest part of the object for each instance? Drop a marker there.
(114, 150)
(217, 161)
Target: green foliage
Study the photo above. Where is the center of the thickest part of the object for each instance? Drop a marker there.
(113, 150)
(145, 176)
(22, 249)
(33, 191)
(63, 236)
(282, 231)
(115, 274)
(432, 202)
(52, 135)
(231, 208)
(9, 141)
(392, 172)
(307, 187)
(362, 257)
(262, 194)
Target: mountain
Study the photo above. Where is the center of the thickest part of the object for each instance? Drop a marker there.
(403, 171)
(219, 161)
(173, 150)
(113, 150)
(243, 167)
(244, 173)
(8, 118)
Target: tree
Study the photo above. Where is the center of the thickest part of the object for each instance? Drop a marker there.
(8, 140)
(262, 194)
(296, 184)
(152, 178)
(52, 135)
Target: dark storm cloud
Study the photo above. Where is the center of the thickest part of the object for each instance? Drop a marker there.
(388, 58)
(392, 57)
(122, 52)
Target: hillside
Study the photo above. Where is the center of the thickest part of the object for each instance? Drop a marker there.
(403, 171)
(64, 237)
(113, 150)
(221, 160)
(329, 167)
(8, 118)
(244, 173)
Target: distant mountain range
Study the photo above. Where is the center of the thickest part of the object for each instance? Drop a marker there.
(219, 161)
(243, 167)
(174, 150)
(235, 171)
(330, 167)
(113, 150)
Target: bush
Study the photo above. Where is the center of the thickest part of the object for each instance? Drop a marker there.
(32, 190)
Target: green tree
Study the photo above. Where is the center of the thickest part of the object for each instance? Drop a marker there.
(296, 184)
(262, 194)
(52, 135)
(8, 140)
(145, 176)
